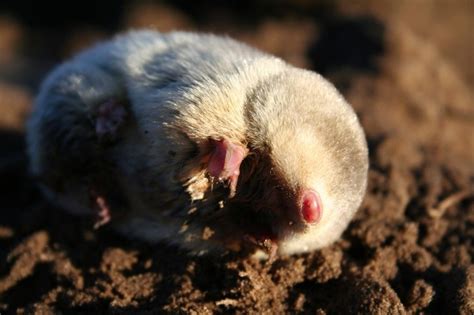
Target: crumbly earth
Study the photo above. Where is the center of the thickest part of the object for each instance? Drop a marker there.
(410, 248)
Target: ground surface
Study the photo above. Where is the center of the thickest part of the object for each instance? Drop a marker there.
(408, 72)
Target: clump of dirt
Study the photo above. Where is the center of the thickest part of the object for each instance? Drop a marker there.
(408, 250)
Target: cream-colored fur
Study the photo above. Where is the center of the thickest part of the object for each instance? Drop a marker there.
(184, 89)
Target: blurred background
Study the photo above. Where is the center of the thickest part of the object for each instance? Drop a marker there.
(320, 35)
(405, 65)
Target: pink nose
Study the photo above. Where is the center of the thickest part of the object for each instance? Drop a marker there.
(311, 207)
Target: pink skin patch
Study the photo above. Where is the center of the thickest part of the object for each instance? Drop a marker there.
(311, 206)
(225, 161)
(110, 116)
(103, 213)
(101, 208)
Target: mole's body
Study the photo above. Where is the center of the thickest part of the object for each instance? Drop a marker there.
(199, 141)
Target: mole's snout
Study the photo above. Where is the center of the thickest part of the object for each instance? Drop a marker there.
(311, 206)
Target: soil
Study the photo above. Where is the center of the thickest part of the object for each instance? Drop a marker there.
(410, 248)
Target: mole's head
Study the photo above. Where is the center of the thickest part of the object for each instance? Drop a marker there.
(306, 170)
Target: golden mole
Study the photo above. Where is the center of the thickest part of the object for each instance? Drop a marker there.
(199, 141)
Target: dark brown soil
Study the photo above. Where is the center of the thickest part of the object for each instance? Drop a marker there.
(410, 248)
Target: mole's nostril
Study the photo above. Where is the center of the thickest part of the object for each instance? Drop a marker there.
(311, 207)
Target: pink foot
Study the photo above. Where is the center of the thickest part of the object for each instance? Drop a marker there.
(225, 161)
(103, 215)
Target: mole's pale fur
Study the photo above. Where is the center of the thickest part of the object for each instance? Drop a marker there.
(182, 89)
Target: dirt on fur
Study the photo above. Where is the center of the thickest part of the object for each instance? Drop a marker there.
(410, 248)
